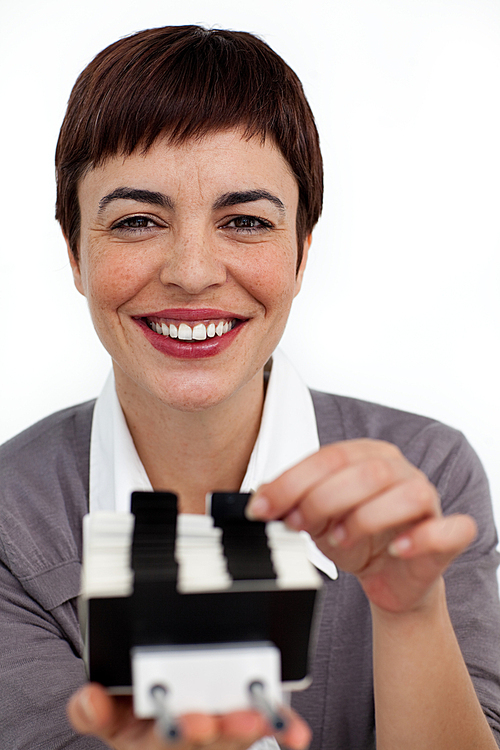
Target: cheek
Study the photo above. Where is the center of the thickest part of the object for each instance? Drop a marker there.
(271, 281)
(112, 279)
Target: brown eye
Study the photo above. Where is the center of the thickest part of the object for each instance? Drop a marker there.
(138, 222)
(245, 222)
(135, 223)
(249, 224)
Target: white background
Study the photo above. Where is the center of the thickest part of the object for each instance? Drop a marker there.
(400, 303)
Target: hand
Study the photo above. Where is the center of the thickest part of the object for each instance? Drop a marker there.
(374, 514)
(93, 711)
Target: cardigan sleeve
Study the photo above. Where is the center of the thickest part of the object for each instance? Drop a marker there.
(40, 669)
(471, 580)
(43, 495)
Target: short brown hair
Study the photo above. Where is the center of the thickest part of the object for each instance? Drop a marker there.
(182, 82)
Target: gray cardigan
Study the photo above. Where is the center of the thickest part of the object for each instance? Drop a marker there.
(44, 475)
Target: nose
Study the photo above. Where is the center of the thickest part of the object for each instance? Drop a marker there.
(193, 264)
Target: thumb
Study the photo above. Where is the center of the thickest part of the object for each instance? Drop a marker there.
(91, 710)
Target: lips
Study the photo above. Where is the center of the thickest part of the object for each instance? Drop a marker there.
(190, 333)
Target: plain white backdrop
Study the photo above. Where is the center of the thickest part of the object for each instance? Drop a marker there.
(401, 301)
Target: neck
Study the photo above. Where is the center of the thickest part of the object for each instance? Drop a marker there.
(192, 453)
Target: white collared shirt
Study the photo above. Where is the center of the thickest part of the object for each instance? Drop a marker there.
(288, 433)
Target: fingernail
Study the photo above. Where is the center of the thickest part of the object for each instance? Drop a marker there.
(258, 507)
(86, 706)
(399, 546)
(337, 535)
(295, 520)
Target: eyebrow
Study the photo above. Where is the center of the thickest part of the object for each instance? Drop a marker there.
(160, 199)
(248, 196)
(135, 194)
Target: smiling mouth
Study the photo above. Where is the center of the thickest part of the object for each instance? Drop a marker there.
(191, 331)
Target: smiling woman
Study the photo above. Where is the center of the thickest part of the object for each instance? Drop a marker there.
(189, 183)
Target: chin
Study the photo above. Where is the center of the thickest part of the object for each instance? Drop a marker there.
(192, 397)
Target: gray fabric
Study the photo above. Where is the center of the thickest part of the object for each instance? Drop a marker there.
(44, 494)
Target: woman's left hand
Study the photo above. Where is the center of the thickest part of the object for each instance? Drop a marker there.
(374, 514)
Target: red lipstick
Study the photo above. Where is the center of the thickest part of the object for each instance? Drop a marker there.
(180, 349)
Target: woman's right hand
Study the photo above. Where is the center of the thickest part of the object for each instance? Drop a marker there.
(111, 718)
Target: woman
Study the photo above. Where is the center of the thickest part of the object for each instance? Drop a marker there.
(189, 182)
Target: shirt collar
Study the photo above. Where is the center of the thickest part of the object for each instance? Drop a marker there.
(115, 467)
(287, 434)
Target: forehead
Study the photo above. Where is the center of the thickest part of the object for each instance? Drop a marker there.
(202, 167)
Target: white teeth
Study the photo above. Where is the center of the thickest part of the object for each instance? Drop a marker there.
(185, 332)
(199, 332)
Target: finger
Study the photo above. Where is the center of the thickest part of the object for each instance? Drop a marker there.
(276, 499)
(244, 725)
(340, 493)
(444, 538)
(408, 502)
(91, 709)
(249, 726)
(199, 729)
(297, 734)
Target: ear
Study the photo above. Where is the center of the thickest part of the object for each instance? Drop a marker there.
(303, 262)
(75, 267)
